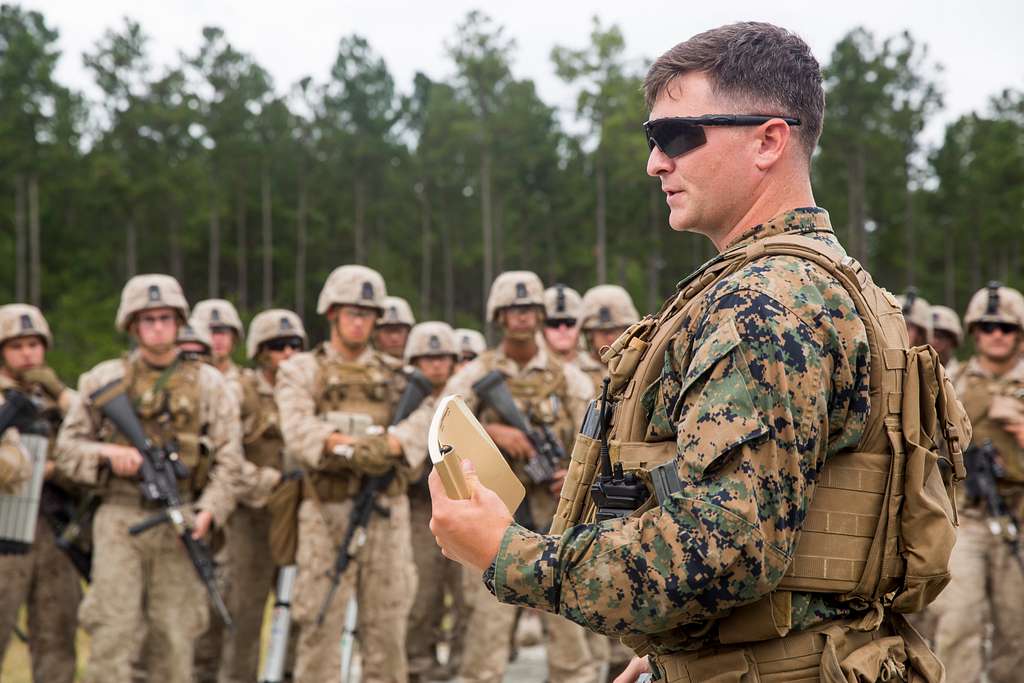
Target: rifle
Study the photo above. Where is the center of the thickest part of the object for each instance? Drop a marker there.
(983, 471)
(160, 471)
(365, 504)
(18, 410)
(493, 390)
(68, 520)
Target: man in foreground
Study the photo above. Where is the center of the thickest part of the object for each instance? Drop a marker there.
(145, 584)
(733, 401)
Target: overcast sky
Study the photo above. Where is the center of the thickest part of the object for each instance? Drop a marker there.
(978, 43)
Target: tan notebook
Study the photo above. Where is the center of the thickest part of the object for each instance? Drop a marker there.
(454, 434)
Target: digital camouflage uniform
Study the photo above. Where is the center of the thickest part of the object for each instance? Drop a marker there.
(987, 586)
(146, 585)
(43, 579)
(487, 650)
(318, 394)
(767, 376)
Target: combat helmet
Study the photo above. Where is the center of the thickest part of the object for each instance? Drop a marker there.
(218, 313)
(396, 312)
(562, 303)
(945, 318)
(607, 307)
(352, 286)
(274, 323)
(995, 303)
(153, 290)
(470, 342)
(433, 338)
(23, 320)
(916, 310)
(194, 331)
(514, 288)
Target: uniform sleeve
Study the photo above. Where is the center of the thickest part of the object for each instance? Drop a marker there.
(304, 433)
(750, 411)
(15, 467)
(78, 448)
(412, 432)
(220, 412)
(580, 391)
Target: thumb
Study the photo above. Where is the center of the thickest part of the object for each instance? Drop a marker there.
(470, 475)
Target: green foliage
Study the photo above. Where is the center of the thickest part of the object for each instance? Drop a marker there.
(200, 167)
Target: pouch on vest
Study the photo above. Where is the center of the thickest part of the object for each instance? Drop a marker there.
(283, 506)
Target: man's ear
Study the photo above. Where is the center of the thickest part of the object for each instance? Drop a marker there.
(773, 138)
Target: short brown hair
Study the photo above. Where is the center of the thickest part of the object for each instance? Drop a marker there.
(757, 64)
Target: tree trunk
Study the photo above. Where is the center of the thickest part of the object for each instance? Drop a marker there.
(131, 250)
(268, 238)
(911, 251)
(487, 223)
(499, 233)
(174, 244)
(448, 266)
(601, 217)
(300, 247)
(213, 265)
(21, 264)
(360, 220)
(975, 264)
(949, 267)
(34, 272)
(856, 210)
(243, 257)
(426, 251)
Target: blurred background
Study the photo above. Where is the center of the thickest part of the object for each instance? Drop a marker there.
(249, 148)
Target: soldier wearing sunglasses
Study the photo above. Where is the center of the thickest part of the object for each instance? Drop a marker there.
(275, 335)
(751, 379)
(987, 587)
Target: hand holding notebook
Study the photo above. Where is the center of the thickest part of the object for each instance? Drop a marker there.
(472, 487)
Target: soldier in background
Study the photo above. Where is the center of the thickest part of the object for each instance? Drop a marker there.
(226, 332)
(335, 403)
(471, 344)
(44, 579)
(194, 343)
(15, 468)
(947, 336)
(561, 313)
(218, 321)
(432, 350)
(392, 329)
(548, 393)
(146, 584)
(274, 336)
(607, 311)
(918, 315)
(987, 586)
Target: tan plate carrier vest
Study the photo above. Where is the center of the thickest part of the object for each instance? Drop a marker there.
(168, 412)
(363, 389)
(541, 396)
(881, 523)
(263, 442)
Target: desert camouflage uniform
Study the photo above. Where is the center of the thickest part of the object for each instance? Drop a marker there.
(15, 467)
(594, 369)
(767, 377)
(44, 579)
(987, 586)
(384, 578)
(487, 648)
(145, 585)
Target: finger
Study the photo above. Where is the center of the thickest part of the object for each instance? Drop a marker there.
(436, 486)
(470, 475)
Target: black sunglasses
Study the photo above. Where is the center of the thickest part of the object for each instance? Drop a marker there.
(293, 343)
(678, 135)
(556, 323)
(1005, 328)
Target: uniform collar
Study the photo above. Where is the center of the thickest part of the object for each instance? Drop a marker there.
(806, 219)
(1014, 374)
(540, 361)
(331, 354)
